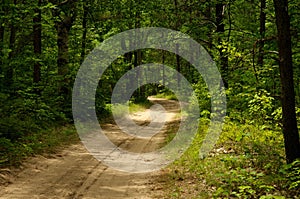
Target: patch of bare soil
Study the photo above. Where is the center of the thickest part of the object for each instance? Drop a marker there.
(74, 173)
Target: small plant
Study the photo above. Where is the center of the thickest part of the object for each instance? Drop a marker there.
(291, 176)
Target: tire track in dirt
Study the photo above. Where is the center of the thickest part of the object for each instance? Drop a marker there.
(74, 173)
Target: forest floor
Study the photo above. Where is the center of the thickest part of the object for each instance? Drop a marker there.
(74, 173)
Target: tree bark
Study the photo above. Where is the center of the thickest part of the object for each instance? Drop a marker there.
(1, 46)
(177, 24)
(2, 32)
(63, 29)
(84, 33)
(220, 9)
(37, 42)
(208, 15)
(12, 40)
(178, 66)
(262, 31)
(65, 12)
(290, 130)
(163, 58)
(138, 55)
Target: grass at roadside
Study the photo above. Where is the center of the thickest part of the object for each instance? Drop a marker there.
(247, 162)
(167, 95)
(140, 106)
(121, 109)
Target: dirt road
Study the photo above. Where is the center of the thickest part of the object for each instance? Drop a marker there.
(74, 173)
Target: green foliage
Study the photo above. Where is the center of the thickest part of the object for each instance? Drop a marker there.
(260, 107)
(166, 94)
(247, 162)
(13, 152)
(203, 99)
(291, 176)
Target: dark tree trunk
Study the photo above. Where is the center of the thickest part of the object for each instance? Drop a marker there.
(12, 40)
(138, 56)
(1, 37)
(163, 66)
(262, 31)
(178, 17)
(290, 130)
(209, 34)
(84, 33)
(2, 29)
(177, 24)
(37, 42)
(220, 9)
(138, 62)
(63, 29)
(178, 66)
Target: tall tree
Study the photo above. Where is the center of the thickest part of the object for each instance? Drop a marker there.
(65, 14)
(37, 41)
(2, 29)
(262, 31)
(220, 11)
(84, 31)
(290, 130)
(177, 24)
(12, 40)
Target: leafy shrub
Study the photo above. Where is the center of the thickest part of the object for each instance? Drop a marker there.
(291, 176)
(245, 163)
(261, 106)
(14, 128)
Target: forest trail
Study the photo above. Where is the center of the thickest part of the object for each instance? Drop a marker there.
(74, 173)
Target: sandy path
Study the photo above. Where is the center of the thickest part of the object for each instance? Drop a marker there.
(74, 173)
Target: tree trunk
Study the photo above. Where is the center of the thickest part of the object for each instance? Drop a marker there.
(138, 56)
(262, 31)
(37, 42)
(84, 33)
(178, 66)
(1, 45)
(177, 24)
(12, 40)
(2, 12)
(163, 66)
(208, 14)
(63, 29)
(2, 31)
(220, 9)
(290, 130)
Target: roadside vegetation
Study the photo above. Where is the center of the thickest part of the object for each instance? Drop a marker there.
(247, 162)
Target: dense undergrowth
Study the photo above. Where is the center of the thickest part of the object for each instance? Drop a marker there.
(30, 124)
(13, 152)
(247, 162)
